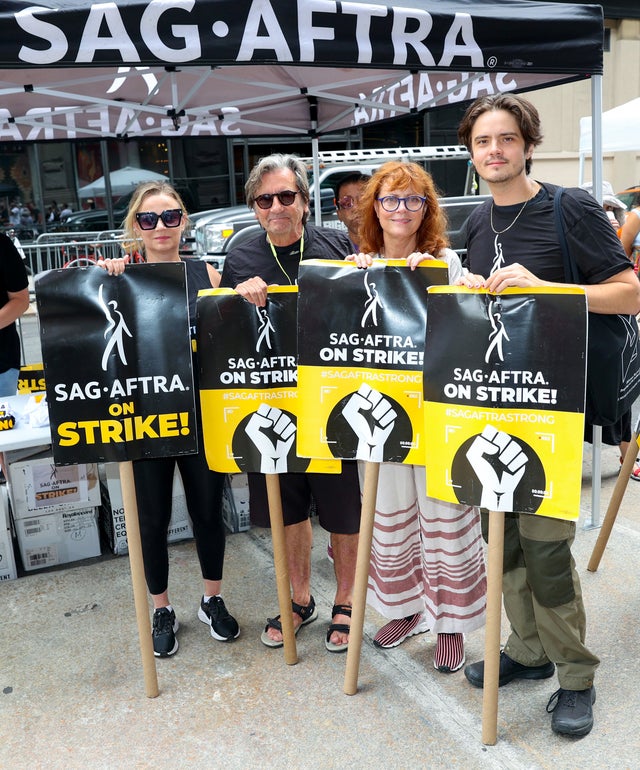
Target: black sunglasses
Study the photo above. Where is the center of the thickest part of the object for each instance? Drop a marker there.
(148, 220)
(286, 198)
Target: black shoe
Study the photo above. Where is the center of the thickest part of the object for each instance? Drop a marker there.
(224, 627)
(572, 711)
(509, 670)
(164, 630)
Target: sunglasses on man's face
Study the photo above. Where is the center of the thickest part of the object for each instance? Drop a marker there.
(148, 220)
(286, 198)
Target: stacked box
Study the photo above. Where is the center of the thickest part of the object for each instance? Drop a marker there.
(46, 540)
(112, 515)
(235, 503)
(7, 557)
(55, 511)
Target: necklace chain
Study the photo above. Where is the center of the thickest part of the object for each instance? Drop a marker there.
(499, 232)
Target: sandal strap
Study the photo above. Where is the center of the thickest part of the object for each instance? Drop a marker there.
(304, 612)
(341, 609)
(274, 623)
(340, 627)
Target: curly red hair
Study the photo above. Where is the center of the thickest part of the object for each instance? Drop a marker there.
(398, 175)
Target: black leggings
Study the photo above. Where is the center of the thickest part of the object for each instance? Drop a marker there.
(203, 492)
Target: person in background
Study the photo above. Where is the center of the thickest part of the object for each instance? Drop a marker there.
(619, 434)
(630, 233)
(154, 225)
(14, 301)
(427, 561)
(278, 191)
(512, 242)
(65, 211)
(347, 199)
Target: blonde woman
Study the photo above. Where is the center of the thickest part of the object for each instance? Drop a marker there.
(153, 226)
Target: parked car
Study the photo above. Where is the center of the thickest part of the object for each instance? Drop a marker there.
(630, 196)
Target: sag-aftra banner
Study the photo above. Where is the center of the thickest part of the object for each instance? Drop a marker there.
(504, 393)
(361, 346)
(117, 362)
(248, 383)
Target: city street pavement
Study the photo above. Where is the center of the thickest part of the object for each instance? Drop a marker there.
(72, 689)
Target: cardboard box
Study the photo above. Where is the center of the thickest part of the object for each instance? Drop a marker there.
(37, 486)
(235, 503)
(112, 515)
(7, 556)
(48, 539)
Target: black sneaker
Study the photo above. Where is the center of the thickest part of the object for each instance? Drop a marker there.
(224, 627)
(164, 630)
(572, 711)
(509, 670)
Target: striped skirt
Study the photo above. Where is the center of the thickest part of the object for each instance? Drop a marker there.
(426, 555)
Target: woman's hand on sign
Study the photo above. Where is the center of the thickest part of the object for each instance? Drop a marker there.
(361, 260)
(416, 257)
(254, 290)
(114, 266)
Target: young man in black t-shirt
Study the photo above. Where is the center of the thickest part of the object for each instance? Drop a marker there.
(512, 242)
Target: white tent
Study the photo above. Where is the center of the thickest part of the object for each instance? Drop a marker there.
(618, 133)
(122, 181)
(619, 129)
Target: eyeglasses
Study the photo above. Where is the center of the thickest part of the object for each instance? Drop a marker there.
(411, 202)
(347, 202)
(285, 198)
(148, 220)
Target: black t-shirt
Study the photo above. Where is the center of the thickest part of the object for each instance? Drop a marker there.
(532, 241)
(255, 257)
(13, 278)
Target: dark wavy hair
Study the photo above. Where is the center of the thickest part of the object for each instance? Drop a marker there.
(523, 111)
(432, 234)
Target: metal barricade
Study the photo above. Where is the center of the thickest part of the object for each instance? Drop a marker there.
(56, 250)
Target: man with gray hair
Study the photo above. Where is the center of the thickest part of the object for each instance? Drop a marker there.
(278, 191)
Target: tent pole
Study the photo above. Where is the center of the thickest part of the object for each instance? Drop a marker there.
(104, 156)
(316, 176)
(596, 165)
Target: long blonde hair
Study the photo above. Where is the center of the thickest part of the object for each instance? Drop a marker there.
(130, 240)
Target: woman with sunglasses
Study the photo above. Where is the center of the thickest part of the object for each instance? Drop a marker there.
(154, 225)
(427, 563)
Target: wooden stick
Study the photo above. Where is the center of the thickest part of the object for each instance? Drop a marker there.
(614, 504)
(495, 559)
(282, 568)
(137, 578)
(372, 471)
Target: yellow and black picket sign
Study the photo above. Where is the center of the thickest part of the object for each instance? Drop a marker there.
(31, 378)
(504, 398)
(361, 347)
(249, 385)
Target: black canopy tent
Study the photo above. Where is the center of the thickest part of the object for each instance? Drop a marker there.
(179, 68)
(69, 69)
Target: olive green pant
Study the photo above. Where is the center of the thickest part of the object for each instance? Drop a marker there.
(543, 599)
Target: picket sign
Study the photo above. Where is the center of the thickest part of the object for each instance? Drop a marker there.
(138, 581)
